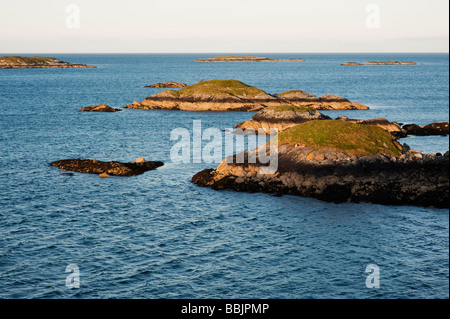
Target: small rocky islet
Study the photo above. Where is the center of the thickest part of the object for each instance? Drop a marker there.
(37, 62)
(99, 108)
(379, 63)
(106, 169)
(167, 85)
(339, 161)
(235, 58)
(233, 95)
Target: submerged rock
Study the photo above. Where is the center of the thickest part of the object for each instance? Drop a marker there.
(105, 168)
(340, 162)
(99, 108)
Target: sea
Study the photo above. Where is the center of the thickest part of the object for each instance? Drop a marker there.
(158, 235)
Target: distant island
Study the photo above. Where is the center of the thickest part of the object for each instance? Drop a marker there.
(380, 63)
(167, 85)
(235, 58)
(36, 62)
(233, 95)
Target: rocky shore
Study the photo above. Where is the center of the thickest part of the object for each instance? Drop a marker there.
(233, 95)
(326, 102)
(280, 118)
(329, 162)
(441, 128)
(17, 62)
(106, 169)
(167, 85)
(99, 108)
(380, 63)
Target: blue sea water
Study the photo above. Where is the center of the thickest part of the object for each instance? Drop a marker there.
(157, 235)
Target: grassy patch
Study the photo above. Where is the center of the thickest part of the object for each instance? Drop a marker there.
(282, 108)
(26, 60)
(214, 87)
(293, 91)
(351, 138)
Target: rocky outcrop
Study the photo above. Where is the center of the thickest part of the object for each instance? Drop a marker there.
(106, 169)
(340, 172)
(392, 127)
(167, 85)
(411, 179)
(233, 95)
(441, 128)
(234, 58)
(214, 95)
(17, 62)
(99, 108)
(280, 118)
(380, 63)
(326, 102)
(294, 60)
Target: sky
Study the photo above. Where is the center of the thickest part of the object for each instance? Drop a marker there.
(233, 26)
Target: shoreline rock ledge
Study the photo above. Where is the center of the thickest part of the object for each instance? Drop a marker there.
(337, 161)
(106, 169)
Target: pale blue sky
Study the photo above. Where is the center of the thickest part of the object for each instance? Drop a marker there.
(210, 26)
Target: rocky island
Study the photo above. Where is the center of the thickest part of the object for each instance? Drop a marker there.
(233, 95)
(380, 63)
(235, 58)
(280, 118)
(36, 62)
(106, 169)
(326, 102)
(213, 95)
(99, 108)
(167, 85)
(338, 161)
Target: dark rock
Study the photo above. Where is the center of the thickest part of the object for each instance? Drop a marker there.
(99, 108)
(407, 180)
(167, 85)
(441, 128)
(110, 168)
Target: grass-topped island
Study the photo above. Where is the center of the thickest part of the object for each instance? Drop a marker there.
(338, 161)
(246, 58)
(37, 62)
(233, 95)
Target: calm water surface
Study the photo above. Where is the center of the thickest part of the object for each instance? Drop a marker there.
(157, 235)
